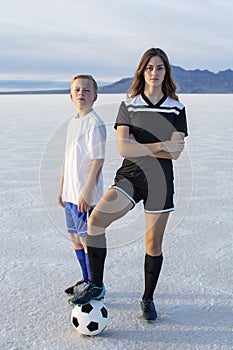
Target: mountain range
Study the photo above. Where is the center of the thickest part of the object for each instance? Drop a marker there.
(187, 81)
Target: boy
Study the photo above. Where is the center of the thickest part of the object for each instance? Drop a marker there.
(82, 180)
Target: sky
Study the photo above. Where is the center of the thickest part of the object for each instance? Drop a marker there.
(55, 39)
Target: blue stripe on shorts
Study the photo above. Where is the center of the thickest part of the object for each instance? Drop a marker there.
(76, 221)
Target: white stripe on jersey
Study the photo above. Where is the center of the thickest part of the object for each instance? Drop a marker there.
(132, 109)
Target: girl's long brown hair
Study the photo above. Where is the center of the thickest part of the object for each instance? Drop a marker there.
(138, 85)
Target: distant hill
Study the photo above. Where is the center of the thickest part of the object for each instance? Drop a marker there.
(187, 81)
(203, 81)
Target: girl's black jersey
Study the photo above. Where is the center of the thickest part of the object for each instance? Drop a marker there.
(150, 123)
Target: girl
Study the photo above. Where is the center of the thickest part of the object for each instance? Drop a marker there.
(151, 126)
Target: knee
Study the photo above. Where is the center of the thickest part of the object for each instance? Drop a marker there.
(76, 244)
(93, 219)
(95, 223)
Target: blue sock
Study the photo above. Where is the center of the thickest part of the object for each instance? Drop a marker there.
(88, 267)
(82, 261)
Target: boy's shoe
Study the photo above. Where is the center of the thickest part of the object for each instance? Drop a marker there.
(148, 310)
(78, 288)
(91, 292)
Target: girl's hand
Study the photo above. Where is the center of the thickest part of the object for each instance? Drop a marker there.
(173, 146)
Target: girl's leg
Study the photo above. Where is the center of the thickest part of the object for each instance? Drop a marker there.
(113, 205)
(155, 227)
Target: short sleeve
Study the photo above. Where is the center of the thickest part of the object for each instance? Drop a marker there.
(181, 122)
(123, 116)
(97, 142)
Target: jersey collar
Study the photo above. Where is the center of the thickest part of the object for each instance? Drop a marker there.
(150, 104)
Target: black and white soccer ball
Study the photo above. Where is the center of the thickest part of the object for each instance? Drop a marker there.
(91, 318)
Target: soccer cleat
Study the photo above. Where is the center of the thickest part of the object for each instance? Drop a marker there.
(148, 310)
(90, 293)
(78, 288)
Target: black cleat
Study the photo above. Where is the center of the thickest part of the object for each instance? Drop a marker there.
(148, 310)
(78, 288)
(91, 292)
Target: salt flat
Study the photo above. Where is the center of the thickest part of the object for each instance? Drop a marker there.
(194, 294)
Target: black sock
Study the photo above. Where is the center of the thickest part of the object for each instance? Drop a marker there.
(97, 251)
(152, 268)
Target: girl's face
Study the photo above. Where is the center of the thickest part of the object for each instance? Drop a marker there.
(154, 72)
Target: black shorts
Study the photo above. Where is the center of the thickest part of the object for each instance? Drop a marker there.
(158, 199)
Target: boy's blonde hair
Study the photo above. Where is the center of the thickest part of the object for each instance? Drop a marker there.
(85, 76)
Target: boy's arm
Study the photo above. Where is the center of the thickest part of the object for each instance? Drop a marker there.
(85, 199)
(59, 198)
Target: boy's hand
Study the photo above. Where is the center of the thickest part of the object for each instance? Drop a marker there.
(60, 202)
(83, 206)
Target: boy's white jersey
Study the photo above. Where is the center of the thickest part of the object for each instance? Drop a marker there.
(85, 141)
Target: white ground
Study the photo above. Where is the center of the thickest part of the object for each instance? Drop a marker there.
(194, 294)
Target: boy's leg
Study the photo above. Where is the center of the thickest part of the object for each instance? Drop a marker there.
(81, 226)
(88, 266)
(80, 221)
(81, 257)
(111, 207)
(84, 244)
(80, 254)
(70, 222)
(71, 227)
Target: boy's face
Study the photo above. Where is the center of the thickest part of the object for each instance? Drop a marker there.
(82, 93)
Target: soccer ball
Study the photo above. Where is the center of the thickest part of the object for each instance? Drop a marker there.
(91, 318)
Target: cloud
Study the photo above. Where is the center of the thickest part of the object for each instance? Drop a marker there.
(108, 38)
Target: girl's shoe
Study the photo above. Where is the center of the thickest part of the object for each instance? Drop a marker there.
(148, 310)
